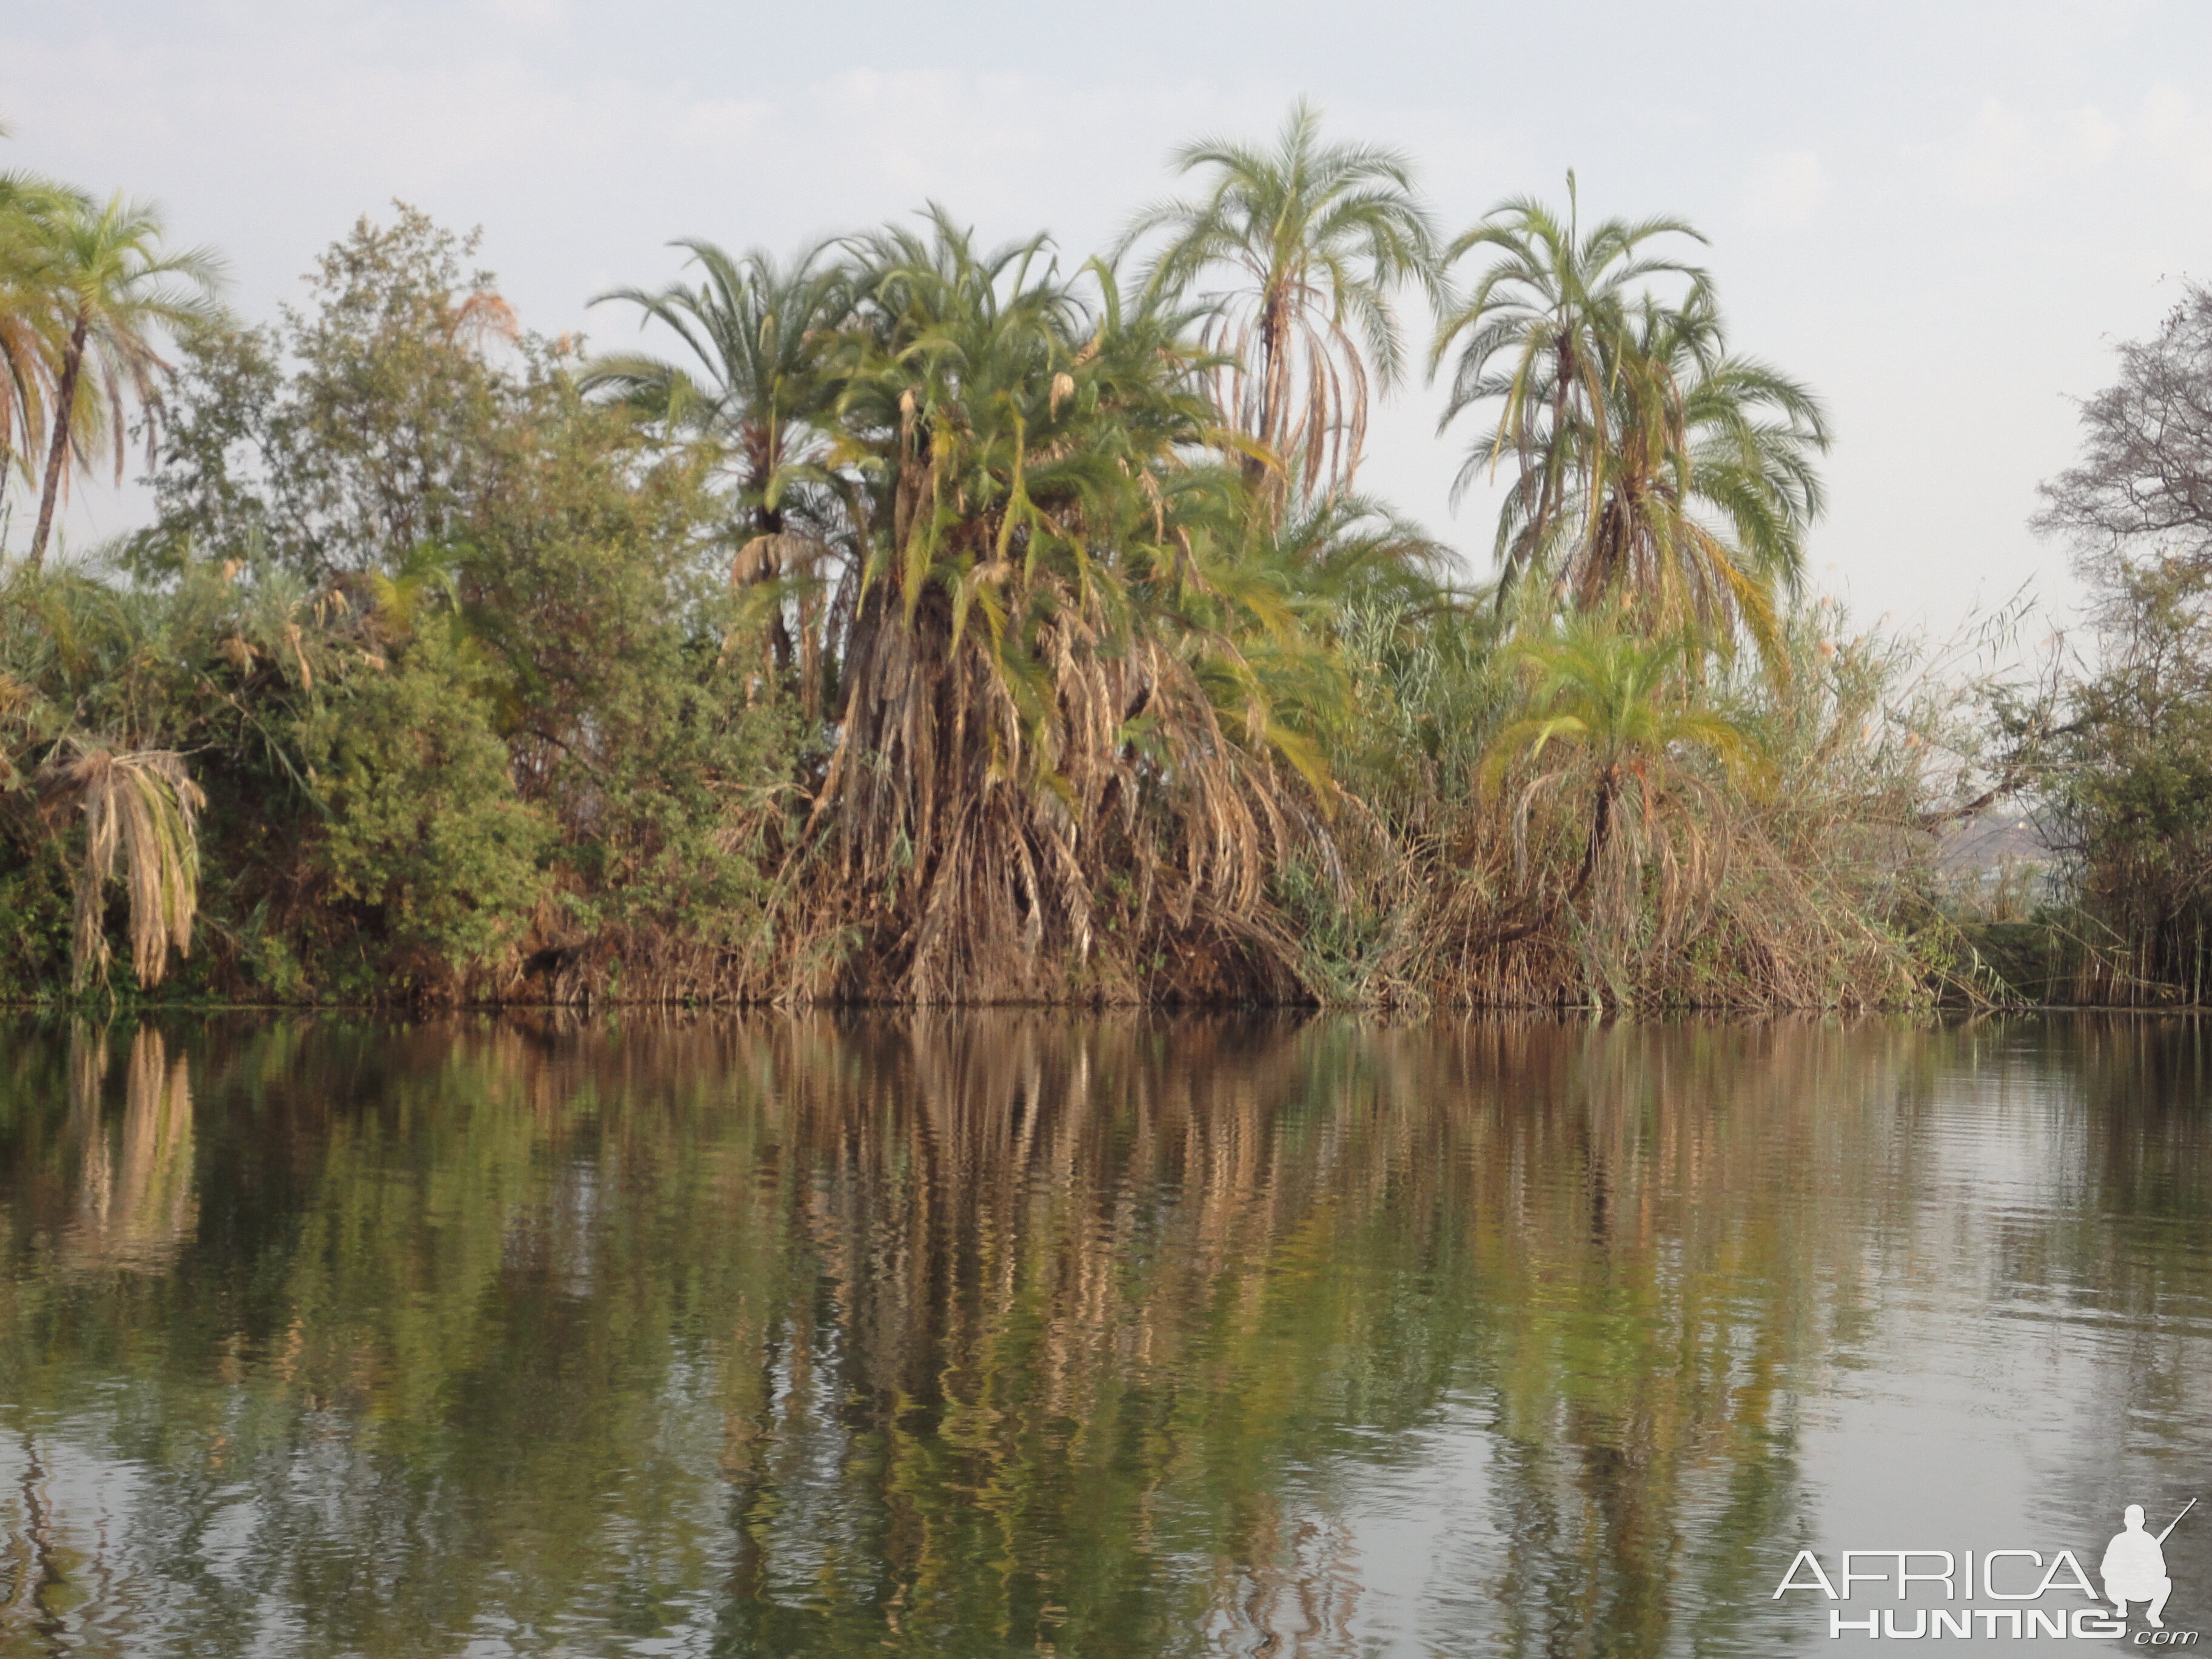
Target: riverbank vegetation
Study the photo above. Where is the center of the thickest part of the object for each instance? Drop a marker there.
(912, 620)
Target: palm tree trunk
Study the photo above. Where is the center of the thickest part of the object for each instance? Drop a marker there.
(1600, 831)
(779, 636)
(58, 450)
(1274, 396)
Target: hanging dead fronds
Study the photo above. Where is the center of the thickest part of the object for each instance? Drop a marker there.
(1057, 772)
(143, 806)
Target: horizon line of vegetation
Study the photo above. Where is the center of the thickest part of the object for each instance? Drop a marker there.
(935, 624)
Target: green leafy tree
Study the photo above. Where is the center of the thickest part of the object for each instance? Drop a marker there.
(450, 646)
(426, 833)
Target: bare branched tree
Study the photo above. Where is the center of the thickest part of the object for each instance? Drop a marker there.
(2144, 481)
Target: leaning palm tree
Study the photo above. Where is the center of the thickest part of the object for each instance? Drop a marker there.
(1053, 762)
(110, 287)
(757, 393)
(1297, 250)
(31, 340)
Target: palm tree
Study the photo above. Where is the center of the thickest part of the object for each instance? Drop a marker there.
(1620, 707)
(1709, 488)
(30, 343)
(1538, 332)
(1312, 239)
(1654, 465)
(758, 395)
(109, 285)
(1050, 752)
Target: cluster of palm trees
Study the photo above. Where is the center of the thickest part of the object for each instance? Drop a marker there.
(993, 503)
(1050, 550)
(87, 289)
(1056, 564)
(1651, 465)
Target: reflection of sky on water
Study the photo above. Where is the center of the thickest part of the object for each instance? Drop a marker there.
(1986, 1402)
(1339, 1340)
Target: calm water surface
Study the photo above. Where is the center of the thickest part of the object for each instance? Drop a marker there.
(1020, 1335)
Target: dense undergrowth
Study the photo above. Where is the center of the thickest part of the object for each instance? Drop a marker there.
(949, 627)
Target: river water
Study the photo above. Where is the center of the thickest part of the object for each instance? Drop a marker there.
(1023, 1333)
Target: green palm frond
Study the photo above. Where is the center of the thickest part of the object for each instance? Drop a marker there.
(1649, 465)
(1294, 253)
(91, 289)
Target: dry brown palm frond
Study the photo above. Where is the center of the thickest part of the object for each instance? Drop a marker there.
(482, 319)
(1093, 832)
(144, 805)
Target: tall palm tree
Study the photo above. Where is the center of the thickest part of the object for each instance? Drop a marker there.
(1655, 466)
(1050, 752)
(1309, 241)
(109, 284)
(1536, 335)
(30, 342)
(758, 392)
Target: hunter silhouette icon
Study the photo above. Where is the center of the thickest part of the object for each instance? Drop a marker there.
(2134, 1567)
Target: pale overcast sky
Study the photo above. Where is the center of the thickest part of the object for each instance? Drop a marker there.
(1940, 215)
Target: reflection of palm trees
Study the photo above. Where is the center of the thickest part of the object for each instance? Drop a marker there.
(135, 1200)
(1659, 1203)
(950, 1333)
(1176, 1245)
(134, 1204)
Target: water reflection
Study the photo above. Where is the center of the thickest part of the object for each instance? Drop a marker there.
(134, 1198)
(1011, 1334)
